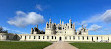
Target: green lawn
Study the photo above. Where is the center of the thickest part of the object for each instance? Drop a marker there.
(92, 45)
(23, 45)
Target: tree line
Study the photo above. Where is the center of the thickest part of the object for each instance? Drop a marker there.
(2, 30)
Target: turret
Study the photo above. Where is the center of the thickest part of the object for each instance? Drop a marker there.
(47, 25)
(50, 23)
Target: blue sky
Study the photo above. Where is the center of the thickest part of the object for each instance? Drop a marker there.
(16, 15)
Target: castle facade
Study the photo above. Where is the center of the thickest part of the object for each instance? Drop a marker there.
(57, 32)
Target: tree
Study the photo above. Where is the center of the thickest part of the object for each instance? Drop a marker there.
(2, 30)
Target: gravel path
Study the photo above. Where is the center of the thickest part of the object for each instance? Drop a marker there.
(60, 45)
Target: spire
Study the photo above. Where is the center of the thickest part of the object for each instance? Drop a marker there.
(60, 21)
(37, 26)
(82, 26)
(70, 21)
(85, 27)
(49, 20)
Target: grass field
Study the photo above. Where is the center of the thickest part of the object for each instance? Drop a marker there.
(92, 45)
(23, 45)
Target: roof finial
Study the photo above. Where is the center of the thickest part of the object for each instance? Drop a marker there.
(82, 26)
(60, 21)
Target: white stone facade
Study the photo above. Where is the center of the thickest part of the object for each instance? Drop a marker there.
(58, 32)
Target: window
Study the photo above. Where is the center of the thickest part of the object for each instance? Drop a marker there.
(73, 37)
(43, 37)
(55, 37)
(101, 38)
(87, 38)
(59, 28)
(21, 36)
(34, 37)
(65, 37)
(52, 37)
(71, 25)
(39, 37)
(65, 31)
(7, 37)
(97, 38)
(92, 38)
(25, 37)
(70, 37)
(83, 37)
(2, 35)
(108, 38)
(78, 38)
(29, 37)
(47, 25)
(47, 37)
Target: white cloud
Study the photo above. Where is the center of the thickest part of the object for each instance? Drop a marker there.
(23, 19)
(105, 17)
(14, 31)
(94, 27)
(39, 7)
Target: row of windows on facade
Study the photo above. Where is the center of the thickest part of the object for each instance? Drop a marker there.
(54, 37)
